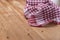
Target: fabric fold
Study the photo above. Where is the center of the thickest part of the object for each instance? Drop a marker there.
(41, 12)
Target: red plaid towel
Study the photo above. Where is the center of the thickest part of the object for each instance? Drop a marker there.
(41, 12)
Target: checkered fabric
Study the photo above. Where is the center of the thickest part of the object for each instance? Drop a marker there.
(41, 12)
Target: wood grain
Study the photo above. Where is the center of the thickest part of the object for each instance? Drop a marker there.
(14, 26)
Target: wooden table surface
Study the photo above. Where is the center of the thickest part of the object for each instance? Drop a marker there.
(13, 25)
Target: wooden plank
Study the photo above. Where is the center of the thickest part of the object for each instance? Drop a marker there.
(14, 26)
(25, 26)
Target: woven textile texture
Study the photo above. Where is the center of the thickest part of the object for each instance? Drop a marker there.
(41, 12)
